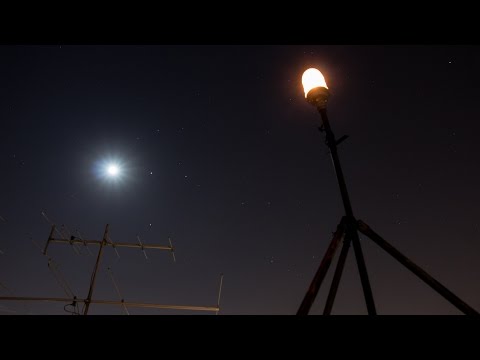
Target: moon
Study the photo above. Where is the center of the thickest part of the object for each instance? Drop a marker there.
(113, 170)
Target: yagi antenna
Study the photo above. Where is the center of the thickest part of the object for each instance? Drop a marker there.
(106, 242)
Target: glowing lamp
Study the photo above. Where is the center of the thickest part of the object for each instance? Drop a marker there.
(315, 87)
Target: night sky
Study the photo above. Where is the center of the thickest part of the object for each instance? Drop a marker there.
(219, 151)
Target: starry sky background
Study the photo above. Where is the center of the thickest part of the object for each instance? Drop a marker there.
(221, 153)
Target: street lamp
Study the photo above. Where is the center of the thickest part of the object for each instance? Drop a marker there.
(315, 87)
(317, 94)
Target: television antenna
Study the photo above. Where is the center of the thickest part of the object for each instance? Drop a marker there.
(89, 300)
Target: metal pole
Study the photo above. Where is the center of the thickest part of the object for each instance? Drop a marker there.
(26, 298)
(337, 276)
(94, 275)
(138, 246)
(351, 225)
(322, 270)
(112, 244)
(332, 144)
(417, 270)
(219, 292)
(362, 269)
(113, 302)
(158, 306)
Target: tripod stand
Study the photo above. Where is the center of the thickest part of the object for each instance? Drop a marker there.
(316, 93)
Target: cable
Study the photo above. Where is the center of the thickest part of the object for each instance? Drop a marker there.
(74, 305)
(53, 267)
(11, 293)
(118, 290)
(68, 311)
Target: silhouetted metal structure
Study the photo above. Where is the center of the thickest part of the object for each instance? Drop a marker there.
(316, 93)
(105, 242)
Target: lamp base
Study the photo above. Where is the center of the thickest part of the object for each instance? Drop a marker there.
(318, 96)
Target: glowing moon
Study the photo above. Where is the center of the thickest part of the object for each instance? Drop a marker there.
(113, 170)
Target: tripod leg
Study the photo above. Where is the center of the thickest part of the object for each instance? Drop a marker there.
(337, 276)
(362, 269)
(417, 270)
(322, 270)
